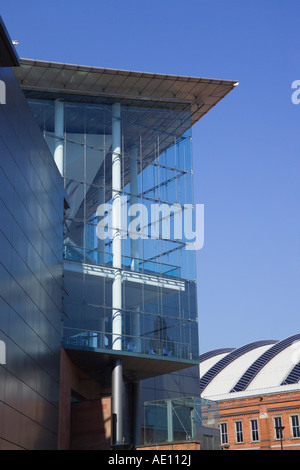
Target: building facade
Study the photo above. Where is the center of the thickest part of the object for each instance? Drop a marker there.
(258, 390)
(268, 422)
(31, 228)
(122, 142)
(98, 227)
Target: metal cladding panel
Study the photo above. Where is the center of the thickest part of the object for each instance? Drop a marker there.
(31, 235)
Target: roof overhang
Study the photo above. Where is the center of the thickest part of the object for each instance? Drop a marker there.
(200, 93)
(8, 55)
(135, 366)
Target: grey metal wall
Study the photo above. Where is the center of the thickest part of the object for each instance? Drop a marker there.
(31, 236)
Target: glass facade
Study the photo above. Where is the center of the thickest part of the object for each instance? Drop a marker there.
(158, 305)
(180, 419)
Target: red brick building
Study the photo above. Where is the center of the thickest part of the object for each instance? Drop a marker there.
(251, 422)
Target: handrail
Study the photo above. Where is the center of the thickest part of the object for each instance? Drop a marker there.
(100, 258)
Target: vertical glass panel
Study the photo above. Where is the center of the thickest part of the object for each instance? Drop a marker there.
(239, 431)
(180, 419)
(224, 433)
(74, 151)
(295, 426)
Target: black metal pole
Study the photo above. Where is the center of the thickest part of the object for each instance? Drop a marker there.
(280, 429)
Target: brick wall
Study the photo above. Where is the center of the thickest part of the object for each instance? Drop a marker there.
(73, 380)
(91, 425)
(264, 409)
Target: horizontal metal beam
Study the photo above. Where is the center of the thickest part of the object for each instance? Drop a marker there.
(129, 276)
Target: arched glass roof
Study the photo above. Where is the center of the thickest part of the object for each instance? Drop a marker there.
(257, 365)
(213, 353)
(222, 363)
(293, 377)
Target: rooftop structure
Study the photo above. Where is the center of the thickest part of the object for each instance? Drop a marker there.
(262, 367)
(199, 95)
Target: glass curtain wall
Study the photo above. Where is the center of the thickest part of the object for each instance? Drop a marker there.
(180, 419)
(159, 306)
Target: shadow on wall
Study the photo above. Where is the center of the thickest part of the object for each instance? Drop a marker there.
(91, 425)
(84, 413)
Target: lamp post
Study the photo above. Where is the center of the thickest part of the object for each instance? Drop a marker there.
(279, 430)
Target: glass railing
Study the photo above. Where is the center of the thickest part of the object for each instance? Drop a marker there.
(180, 419)
(99, 258)
(76, 253)
(88, 339)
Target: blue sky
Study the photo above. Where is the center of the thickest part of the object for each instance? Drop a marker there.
(246, 150)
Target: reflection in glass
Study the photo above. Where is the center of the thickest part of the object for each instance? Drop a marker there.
(159, 314)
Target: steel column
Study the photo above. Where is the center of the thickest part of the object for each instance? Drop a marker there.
(117, 375)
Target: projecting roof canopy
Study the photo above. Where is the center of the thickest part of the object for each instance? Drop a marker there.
(135, 366)
(200, 93)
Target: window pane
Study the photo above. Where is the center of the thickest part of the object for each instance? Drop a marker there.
(224, 434)
(278, 425)
(254, 430)
(295, 426)
(239, 431)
